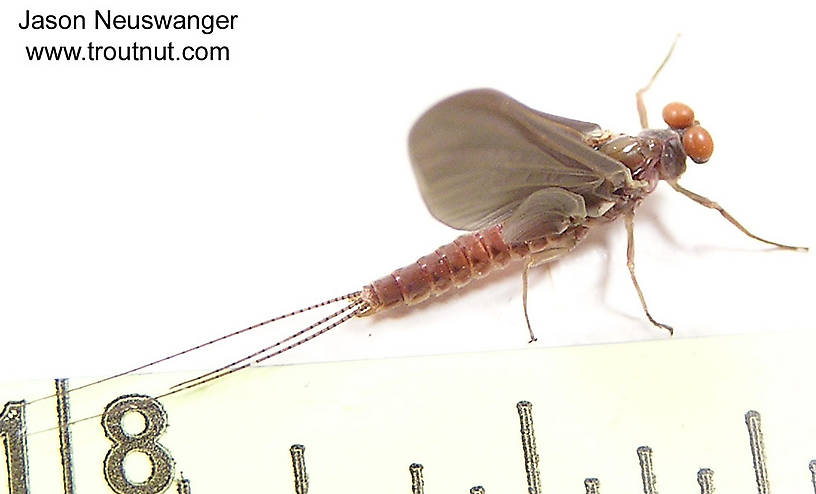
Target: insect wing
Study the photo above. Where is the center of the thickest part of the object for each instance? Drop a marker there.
(479, 154)
(545, 212)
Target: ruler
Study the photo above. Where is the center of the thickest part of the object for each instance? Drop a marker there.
(735, 413)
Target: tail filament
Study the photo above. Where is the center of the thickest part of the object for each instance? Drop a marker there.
(356, 307)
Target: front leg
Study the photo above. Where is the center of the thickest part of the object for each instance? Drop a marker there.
(713, 205)
(629, 219)
(641, 106)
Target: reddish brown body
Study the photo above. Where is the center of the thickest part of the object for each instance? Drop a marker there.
(453, 265)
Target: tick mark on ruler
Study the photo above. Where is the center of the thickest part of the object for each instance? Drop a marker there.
(183, 486)
(63, 419)
(528, 446)
(647, 470)
(592, 486)
(299, 467)
(757, 451)
(705, 477)
(417, 483)
(812, 466)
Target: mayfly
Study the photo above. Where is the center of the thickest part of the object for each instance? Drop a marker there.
(527, 186)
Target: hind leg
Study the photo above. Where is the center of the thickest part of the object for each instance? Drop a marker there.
(542, 257)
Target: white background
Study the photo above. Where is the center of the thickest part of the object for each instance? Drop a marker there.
(145, 207)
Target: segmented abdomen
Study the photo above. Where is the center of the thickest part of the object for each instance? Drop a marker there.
(452, 265)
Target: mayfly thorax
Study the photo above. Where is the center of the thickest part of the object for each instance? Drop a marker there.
(527, 186)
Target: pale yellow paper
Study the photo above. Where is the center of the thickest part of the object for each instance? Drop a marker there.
(363, 423)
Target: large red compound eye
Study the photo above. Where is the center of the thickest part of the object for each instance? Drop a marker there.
(698, 144)
(678, 115)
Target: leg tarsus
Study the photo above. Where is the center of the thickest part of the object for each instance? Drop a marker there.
(524, 300)
(713, 205)
(630, 263)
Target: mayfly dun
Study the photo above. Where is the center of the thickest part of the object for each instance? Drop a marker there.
(527, 186)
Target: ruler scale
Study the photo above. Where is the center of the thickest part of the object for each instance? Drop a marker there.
(705, 476)
(359, 423)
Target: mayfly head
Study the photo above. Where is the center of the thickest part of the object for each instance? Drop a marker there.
(697, 142)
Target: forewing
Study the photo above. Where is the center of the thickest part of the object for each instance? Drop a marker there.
(544, 213)
(479, 154)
